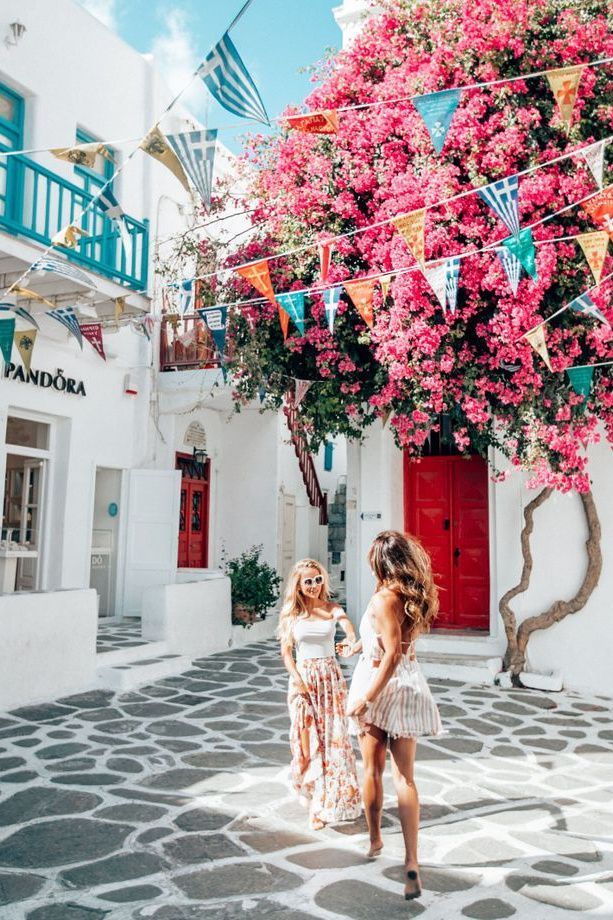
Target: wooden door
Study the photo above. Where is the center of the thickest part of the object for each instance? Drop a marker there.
(446, 507)
(194, 518)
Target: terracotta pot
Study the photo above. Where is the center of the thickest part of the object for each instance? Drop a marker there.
(246, 616)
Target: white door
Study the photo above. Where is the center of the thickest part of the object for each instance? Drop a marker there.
(31, 523)
(151, 534)
(288, 534)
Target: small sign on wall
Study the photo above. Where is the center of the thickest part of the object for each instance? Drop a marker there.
(371, 515)
(195, 436)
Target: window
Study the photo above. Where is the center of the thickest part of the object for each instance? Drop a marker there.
(11, 138)
(24, 432)
(328, 456)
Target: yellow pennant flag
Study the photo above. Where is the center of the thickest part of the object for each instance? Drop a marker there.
(385, 281)
(30, 295)
(564, 84)
(24, 340)
(120, 307)
(411, 226)
(82, 154)
(69, 236)
(156, 146)
(594, 246)
(539, 342)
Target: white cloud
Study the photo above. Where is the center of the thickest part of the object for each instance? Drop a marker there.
(104, 10)
(177, 58)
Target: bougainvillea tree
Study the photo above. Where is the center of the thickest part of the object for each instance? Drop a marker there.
(418, 362)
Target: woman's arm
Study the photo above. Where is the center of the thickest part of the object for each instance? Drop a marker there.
(390, 635)
(292, 670)
(350, 644)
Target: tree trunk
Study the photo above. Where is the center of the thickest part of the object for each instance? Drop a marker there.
(517, 638)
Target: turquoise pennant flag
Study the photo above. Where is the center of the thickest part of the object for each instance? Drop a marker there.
(437, 111)
(7, 332)
(261, 393)
(522, 247)
(581, 381)
(293, 304)
(215, 319)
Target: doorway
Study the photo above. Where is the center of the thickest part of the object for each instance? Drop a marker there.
(446, 507)
(194, 512)
(105, 532)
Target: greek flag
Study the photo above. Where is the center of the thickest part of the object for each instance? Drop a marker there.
(196, 153)
(512, 267)
(19, 311)
(229, 81)
(331, 299)
(215, 320)
(60, 267)
(451, 283)
(112, 209)
(187, 295)
(67, 317)
(585, 304)
(502, 199)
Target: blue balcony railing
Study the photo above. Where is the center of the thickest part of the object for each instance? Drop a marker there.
(37, 203)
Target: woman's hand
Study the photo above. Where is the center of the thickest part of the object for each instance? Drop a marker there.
(345, 649)
(301, 687)
(359, 708)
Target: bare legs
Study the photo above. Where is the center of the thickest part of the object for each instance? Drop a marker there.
(373, 748)
(403, 761)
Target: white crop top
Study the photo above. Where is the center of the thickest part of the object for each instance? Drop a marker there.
(315, 638)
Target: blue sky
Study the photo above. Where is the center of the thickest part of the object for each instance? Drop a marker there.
(275, 39)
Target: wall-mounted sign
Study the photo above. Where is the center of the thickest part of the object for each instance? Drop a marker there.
(195, 436)
(371, 515)
(45, 379)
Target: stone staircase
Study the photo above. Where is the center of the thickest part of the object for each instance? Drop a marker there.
(126, 660)
(472, 669)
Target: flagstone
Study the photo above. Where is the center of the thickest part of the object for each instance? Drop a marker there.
(124, 765)
(10, 763)
(246, 878)
(174, 729)
(567, 897)
(66, 912)
(88, 779)
(361, 901)
(201, 819)
(119, 868)
(41, 802)
(73, 764)
(489, 909)
(154, 834)
(439, 880)
(135, 893)
(91, 699)
(18, 886)
(42, 713)
(56, 843)
(197, 848)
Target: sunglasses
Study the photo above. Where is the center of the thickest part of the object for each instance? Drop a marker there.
(313, 582)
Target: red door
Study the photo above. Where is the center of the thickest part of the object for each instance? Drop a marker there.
(193, 521)
(446, 506)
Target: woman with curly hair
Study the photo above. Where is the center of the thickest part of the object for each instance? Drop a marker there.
(389, 698)
(323, 763)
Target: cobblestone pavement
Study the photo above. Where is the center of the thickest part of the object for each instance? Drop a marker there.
(172, 803)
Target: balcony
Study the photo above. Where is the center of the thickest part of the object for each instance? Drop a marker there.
(185, 344)
(36, 203)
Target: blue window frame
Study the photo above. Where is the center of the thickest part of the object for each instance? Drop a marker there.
(328, 456)
(11, 138)
(93, 179)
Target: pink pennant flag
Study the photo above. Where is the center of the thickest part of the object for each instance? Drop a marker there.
(325, 255)
(93, 333)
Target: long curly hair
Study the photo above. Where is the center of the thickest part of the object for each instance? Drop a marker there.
(401, 564)
(294, 602)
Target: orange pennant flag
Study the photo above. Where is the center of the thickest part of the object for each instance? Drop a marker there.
(325, 255)
(411, 226)
(284, 320)
(258, 275)
(600, 209)
(361, 293)
(539, 342)
(564, 84)
(594, 246)
(324, 122)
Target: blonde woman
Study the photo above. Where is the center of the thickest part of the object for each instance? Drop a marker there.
(389, 700)
(323, 763)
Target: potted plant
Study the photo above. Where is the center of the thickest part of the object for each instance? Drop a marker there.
(255, 586)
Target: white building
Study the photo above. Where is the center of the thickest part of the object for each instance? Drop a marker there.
(472, 529)
(98, 484)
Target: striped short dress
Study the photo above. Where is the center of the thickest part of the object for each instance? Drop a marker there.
(405, 707)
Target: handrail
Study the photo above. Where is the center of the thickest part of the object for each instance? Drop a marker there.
(37, 203)
(176, 354)
(317, 498)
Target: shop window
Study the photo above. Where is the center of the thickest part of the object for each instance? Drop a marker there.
(23, 432)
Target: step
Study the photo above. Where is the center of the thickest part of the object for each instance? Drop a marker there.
(470, 669)
(142, 672)
(130, 653)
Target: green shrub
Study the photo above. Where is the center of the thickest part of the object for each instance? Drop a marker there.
(255, 584)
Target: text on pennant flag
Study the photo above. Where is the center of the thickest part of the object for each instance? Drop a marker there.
(585, 304)
(594, 159)
(538, 340)
(93, 333)
(7, 332)
(67, 317)
(451, 286)
(301, 388)
(196, 153)
(512, 267)
(437, 111)
(522, 247)
(581, 381)
(230, 83)
(331, 299)
(24, 340)
(324, 122)
(156, 145)
(361, 294)
(564, 84)
(258, 275)
(411, 227)
(594, 246)
(293, 304)
(216, 319)
(502, 197)
(436, 276)
(600, 209)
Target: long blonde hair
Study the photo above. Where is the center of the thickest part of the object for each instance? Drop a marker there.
(401, 564)
(294, 603)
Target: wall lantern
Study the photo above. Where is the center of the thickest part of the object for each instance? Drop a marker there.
(16, 33)
(200, 456)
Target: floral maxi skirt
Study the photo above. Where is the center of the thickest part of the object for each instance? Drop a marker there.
(329, 782)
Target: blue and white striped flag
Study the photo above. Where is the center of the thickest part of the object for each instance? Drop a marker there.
(502, 197)
(512, 267)
(68, 318)
(45, 264)
(187, 295)
(112, 209)
(584, 304)
(18, 311)
(451, 283)
(196, 153)
(229, 81)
